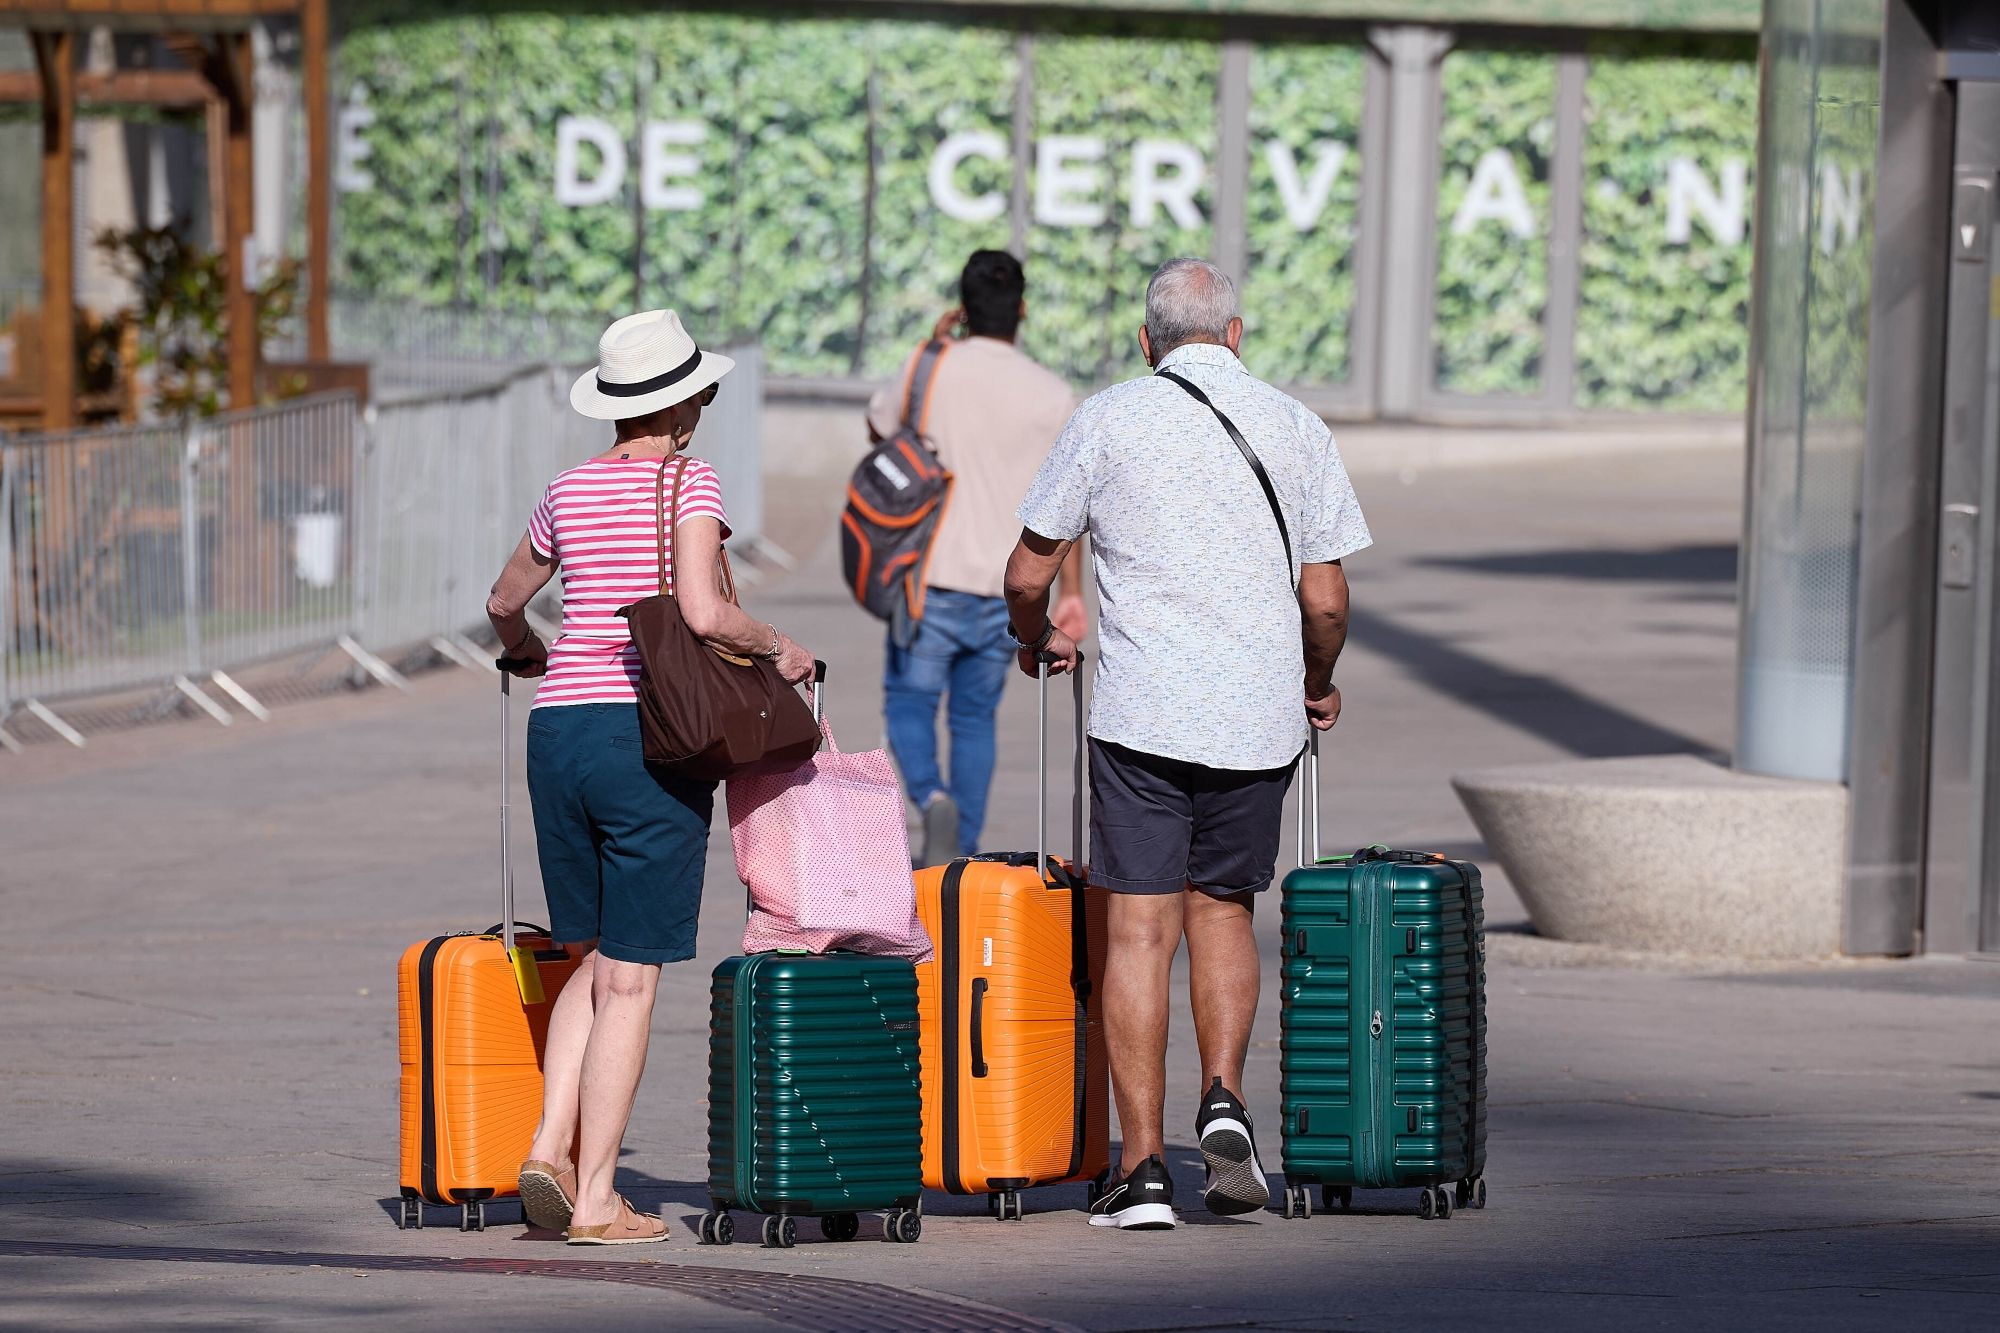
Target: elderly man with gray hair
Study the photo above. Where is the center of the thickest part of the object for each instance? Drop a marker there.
(1218, 513)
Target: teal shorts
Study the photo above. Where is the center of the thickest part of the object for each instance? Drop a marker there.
(622, 842)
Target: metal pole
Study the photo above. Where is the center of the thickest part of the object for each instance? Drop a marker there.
(1042, 764)
(191, 546)
(506, 813)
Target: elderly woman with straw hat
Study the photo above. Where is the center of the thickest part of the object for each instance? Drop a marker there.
(622, 842)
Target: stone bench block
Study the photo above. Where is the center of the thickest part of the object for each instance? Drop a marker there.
(1668, 852)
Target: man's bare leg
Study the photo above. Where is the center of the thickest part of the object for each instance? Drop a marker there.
(1144, 932)
(1223, 981)
(1222, 987)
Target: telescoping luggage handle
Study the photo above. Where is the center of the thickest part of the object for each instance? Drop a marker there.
(1309, 799)
(527, 977)
(1042, 662)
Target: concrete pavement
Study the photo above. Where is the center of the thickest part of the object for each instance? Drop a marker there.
(199, 1106)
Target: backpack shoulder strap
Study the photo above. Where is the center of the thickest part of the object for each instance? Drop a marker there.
(917, 394)
(1249, 456)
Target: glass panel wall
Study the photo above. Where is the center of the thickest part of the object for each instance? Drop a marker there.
(1815, 212)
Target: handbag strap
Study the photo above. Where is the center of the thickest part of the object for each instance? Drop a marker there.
(668, 527)
(1249, 456)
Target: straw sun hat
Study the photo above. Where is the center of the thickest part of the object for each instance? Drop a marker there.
(645, 362)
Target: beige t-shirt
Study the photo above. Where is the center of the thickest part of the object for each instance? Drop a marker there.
(993, 416)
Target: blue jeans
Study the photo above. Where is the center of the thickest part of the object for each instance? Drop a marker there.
(961, 646)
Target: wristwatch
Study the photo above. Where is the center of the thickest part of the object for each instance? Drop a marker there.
(1041, 641)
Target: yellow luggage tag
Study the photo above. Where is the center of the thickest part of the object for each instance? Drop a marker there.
(527, 976)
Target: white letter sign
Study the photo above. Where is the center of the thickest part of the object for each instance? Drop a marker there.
(571, 133)
(945, 193)
(351, 151)
(1688, 193)
(1150, 189)
(1056, 178)
(1839, 207)
(1304, 202)
(1495, 192)
(657, 165)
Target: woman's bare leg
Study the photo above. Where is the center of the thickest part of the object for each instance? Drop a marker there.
(612, 1063)
(562, 1060)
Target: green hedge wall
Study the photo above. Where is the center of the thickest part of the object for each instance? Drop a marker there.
(787, 241)
(1298, 290)
(1087, 284)
(932, 81)
(1662, 325)
(1493, 286)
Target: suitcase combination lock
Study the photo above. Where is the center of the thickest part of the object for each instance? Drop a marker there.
(1375, 1024)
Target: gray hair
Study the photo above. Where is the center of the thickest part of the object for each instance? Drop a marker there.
(1188, 300)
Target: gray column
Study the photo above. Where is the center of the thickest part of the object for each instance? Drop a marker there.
(1407, 177)
(1896, 560)
(1565, 256)
(1232, 159)
(1023, 144)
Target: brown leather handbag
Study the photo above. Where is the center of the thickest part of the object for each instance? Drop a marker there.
(702, 712)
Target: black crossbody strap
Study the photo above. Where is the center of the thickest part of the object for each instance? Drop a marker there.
(1249, 456)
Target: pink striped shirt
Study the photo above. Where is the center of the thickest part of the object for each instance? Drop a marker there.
(599, 523)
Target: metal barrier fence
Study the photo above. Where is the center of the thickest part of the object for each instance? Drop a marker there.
(170, 556)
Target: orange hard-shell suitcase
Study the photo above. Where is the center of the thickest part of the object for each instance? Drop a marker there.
(472, 1017)
(1015, 1087)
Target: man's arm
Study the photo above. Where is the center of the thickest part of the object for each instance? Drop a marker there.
(1031, 569)
(1323, 620)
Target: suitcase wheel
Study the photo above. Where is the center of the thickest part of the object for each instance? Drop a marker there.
(1434, 1202)
(780, 1233)
(1336, 1196)
(410, 1217)
(1006, 1205)
(840, 1226)
(1472, 1193)
(1298, 1202)
(716, 1228)
(903, 1226)
(472, 1216)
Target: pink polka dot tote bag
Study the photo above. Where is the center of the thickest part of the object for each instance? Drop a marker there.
(826, 855)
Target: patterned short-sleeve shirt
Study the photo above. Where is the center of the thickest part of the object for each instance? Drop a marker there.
(599, 521)
(1201, 656)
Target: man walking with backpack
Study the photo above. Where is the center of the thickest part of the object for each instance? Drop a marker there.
(1219, 513)
(991, 414)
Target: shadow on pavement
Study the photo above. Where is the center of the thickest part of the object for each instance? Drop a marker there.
(1542, 705)
(1689, 562)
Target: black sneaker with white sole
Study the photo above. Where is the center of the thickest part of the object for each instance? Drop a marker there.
(1143, 1201)
(1236, 1181)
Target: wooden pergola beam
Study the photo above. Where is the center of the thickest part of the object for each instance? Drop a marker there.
(55, 65)
(177, 89)
(212, 40)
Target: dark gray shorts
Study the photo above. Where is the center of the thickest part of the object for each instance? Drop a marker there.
(1158, 825)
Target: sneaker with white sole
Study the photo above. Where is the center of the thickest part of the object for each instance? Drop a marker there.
(1143, 1201)
(1236, 1181)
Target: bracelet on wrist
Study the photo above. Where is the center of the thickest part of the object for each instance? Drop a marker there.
(771, 653)
(1041, 640)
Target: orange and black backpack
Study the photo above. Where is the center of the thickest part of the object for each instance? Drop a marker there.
(895, 500)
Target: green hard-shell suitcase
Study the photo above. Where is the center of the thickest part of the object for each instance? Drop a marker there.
(1383, 1025)
(815, 1104)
